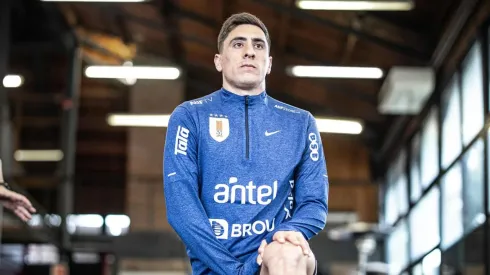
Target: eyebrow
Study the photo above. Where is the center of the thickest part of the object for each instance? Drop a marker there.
(241, 38)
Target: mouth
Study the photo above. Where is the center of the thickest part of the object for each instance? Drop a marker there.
(247, 66)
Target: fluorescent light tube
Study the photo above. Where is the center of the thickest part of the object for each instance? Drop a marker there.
(336, 72)
(132, 72)
(101, 1)
(12, 81)
(138, 120)
(340, 126)
(38, 155)
(380, 5)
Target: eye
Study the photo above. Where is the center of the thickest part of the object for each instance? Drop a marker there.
(237, 44)
(259, 46)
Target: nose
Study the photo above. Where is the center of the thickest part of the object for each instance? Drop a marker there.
(249, 51)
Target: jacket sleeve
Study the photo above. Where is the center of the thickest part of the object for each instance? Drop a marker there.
(185, 212)
(309, 214)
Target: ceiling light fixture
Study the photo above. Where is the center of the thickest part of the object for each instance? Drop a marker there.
(101, 1)
(335, 72)
(132, 72)
(325, 125)
(38, 155)
(138, 120)
(12, 81)
(380, 5)
(338, 126)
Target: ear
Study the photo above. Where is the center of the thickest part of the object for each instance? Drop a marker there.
(270, 65)
(217, 62)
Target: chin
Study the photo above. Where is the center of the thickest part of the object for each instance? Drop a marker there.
(251, 80)
(248, 84)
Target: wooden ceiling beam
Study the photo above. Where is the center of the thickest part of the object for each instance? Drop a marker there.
(169, 11)
(96, 148)
(37, 182)
(88, 92)
(95, 124)
(282, 38)
(226, 7)
(375, 30)
(351, 41)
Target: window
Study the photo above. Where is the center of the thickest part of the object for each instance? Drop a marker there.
(41, 254)
(397, 247)
(85, 224)
(452, 206)
(424, 224)
(117, 225)
(397, 190)
(415, 179)
(432, 262)
(402, 191)
(451, 123)
(473, 187)
(417, 270)
(429, 155)
(391, 206)
(472, 94)
(488, 169)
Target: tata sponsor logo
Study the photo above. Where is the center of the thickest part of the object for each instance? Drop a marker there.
(233, 192)
(223, 230)
(181, 140)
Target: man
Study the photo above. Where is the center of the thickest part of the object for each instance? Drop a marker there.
(245, 179)
(16, 202)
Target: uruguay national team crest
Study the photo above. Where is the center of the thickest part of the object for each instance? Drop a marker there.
(219, 127)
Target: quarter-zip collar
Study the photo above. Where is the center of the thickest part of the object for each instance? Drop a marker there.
(252, 99)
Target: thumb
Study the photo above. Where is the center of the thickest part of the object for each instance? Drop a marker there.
(263, 244)
(259, 260)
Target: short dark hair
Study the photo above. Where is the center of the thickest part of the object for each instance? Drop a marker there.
(236, 20)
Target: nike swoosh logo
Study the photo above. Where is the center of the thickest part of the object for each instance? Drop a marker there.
(271, 133)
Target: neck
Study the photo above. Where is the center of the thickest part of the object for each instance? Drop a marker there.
(240, 91)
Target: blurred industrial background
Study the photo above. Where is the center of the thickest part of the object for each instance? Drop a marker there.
(409, 184)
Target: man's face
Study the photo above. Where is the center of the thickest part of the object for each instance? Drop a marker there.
(244, 60)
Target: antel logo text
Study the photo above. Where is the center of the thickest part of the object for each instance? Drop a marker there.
(249, 194)
(222, 229)
(314, 155)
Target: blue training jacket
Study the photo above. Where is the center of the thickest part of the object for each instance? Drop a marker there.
(237, 169)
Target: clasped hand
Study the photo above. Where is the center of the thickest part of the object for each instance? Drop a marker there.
(282, 237)
(16, 202)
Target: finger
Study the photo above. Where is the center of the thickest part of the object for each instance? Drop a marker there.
(9, 205)
(25, 214)
(21, 214)
(262, 246)
(293, 238)
(259, 260)
(279, 237)
(305, 246)
(24, 201)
